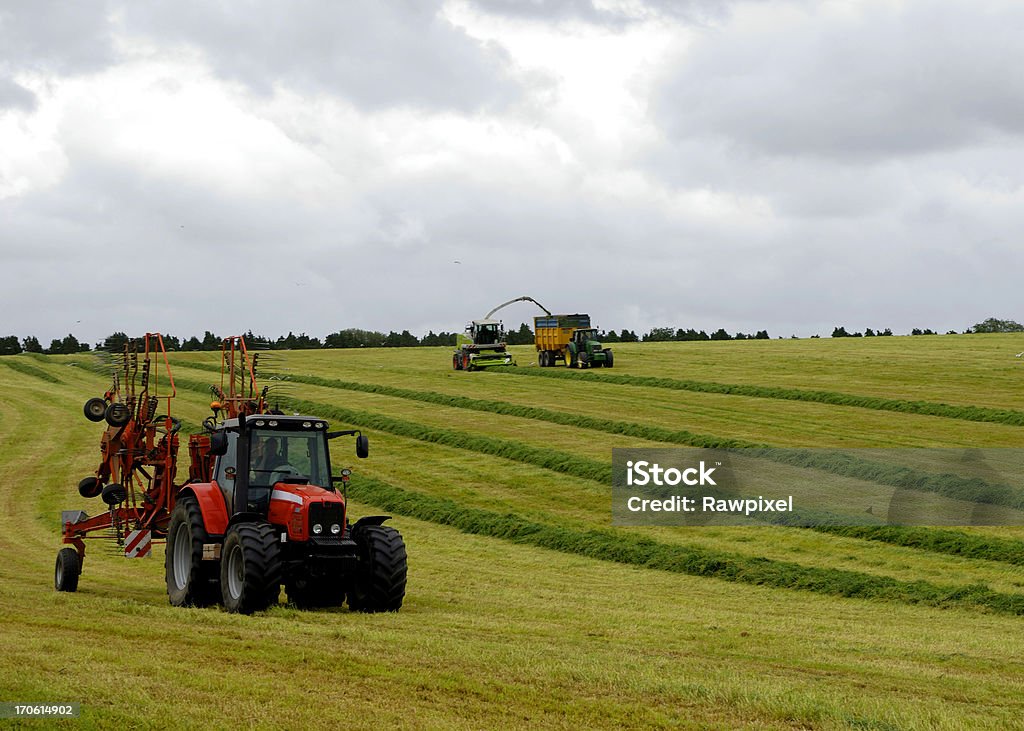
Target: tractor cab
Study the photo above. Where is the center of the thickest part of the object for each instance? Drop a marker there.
(281, 449)
(485, 332)
(587, 335)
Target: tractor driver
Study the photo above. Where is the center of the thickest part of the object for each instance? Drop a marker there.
(265, 455)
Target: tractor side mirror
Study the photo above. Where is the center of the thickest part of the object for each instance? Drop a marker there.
(219, 444)
(362, 446)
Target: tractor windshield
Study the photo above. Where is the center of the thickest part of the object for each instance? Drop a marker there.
(487, 334)
(279, 455)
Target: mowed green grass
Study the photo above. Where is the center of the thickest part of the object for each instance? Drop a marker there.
(500, 634)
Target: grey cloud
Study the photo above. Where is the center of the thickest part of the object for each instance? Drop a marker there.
(14, 95)
(375, 54)
(883, 82)
(56, 36)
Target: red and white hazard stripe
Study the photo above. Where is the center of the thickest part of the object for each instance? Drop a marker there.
(138, 544)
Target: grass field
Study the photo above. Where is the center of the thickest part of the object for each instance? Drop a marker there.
(524, 606)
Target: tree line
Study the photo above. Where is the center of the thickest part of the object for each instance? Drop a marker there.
(357, 338)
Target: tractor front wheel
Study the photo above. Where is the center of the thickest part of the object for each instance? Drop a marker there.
(456, 362)
(608, 359)
(570, 358)
(250, 568)
(67, 571)
(191, 581)
(380, 583)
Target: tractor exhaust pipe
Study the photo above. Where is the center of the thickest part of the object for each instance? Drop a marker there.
(240, 501)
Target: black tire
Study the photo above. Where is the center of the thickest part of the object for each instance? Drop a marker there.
(191, 581)
(89, 487)
(608, 359)
(95, 409)
(383, 567)
(456, 362)
(67, 570)
(117, 414)
(250, 568)
(114, 494)
(584, 360)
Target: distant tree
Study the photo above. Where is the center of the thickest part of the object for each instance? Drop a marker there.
(611, 337)
(115, 342)
(523, 335)
(172, 343)
(54, 347)
(210, 341)
(995, 325)
(886, 333)
(869, 333)
(192, 344)
(762, 335)
(659, 335)
(840, 332)
(10, 345)
(70, 344)
(31, 344)
(721, 334)
(628, 336)
(952, 332)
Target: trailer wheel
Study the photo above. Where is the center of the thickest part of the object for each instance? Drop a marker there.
(89, 487)
(117, 414)
(542, 359)
(191, 581)
(94, 409)
(380, 582)
(114, 494)
(250, 568)
(608, 359)
(67, 570)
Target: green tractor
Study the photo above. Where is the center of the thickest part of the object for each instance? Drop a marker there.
(584, 350)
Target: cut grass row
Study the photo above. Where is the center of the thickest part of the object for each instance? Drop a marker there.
(685, 559)
(1011, 417)
(27, 369)
(935, 540)
(949, 542)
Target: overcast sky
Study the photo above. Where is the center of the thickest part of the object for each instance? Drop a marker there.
(315, 165)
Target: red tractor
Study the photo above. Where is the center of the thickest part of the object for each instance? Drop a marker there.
(260, 508)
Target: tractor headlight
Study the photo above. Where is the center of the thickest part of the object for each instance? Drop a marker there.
(335, 529)
(317, 529)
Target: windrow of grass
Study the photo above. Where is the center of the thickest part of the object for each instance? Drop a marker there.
(684, 559)
(27, 369)
(945, 541)
(925, 408)
(948, 542)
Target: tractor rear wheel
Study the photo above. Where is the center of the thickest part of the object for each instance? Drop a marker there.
(250, 568)
(191, 581)
(380, 582)
(67, 570)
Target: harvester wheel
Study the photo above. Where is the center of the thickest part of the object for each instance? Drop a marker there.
(191, 581)
(608, 359)
(114, 494)
(89, 487)
(380, 582)
(117, 414)
(250, 568)
(94, 409)
(456, 362)
(67, 571)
